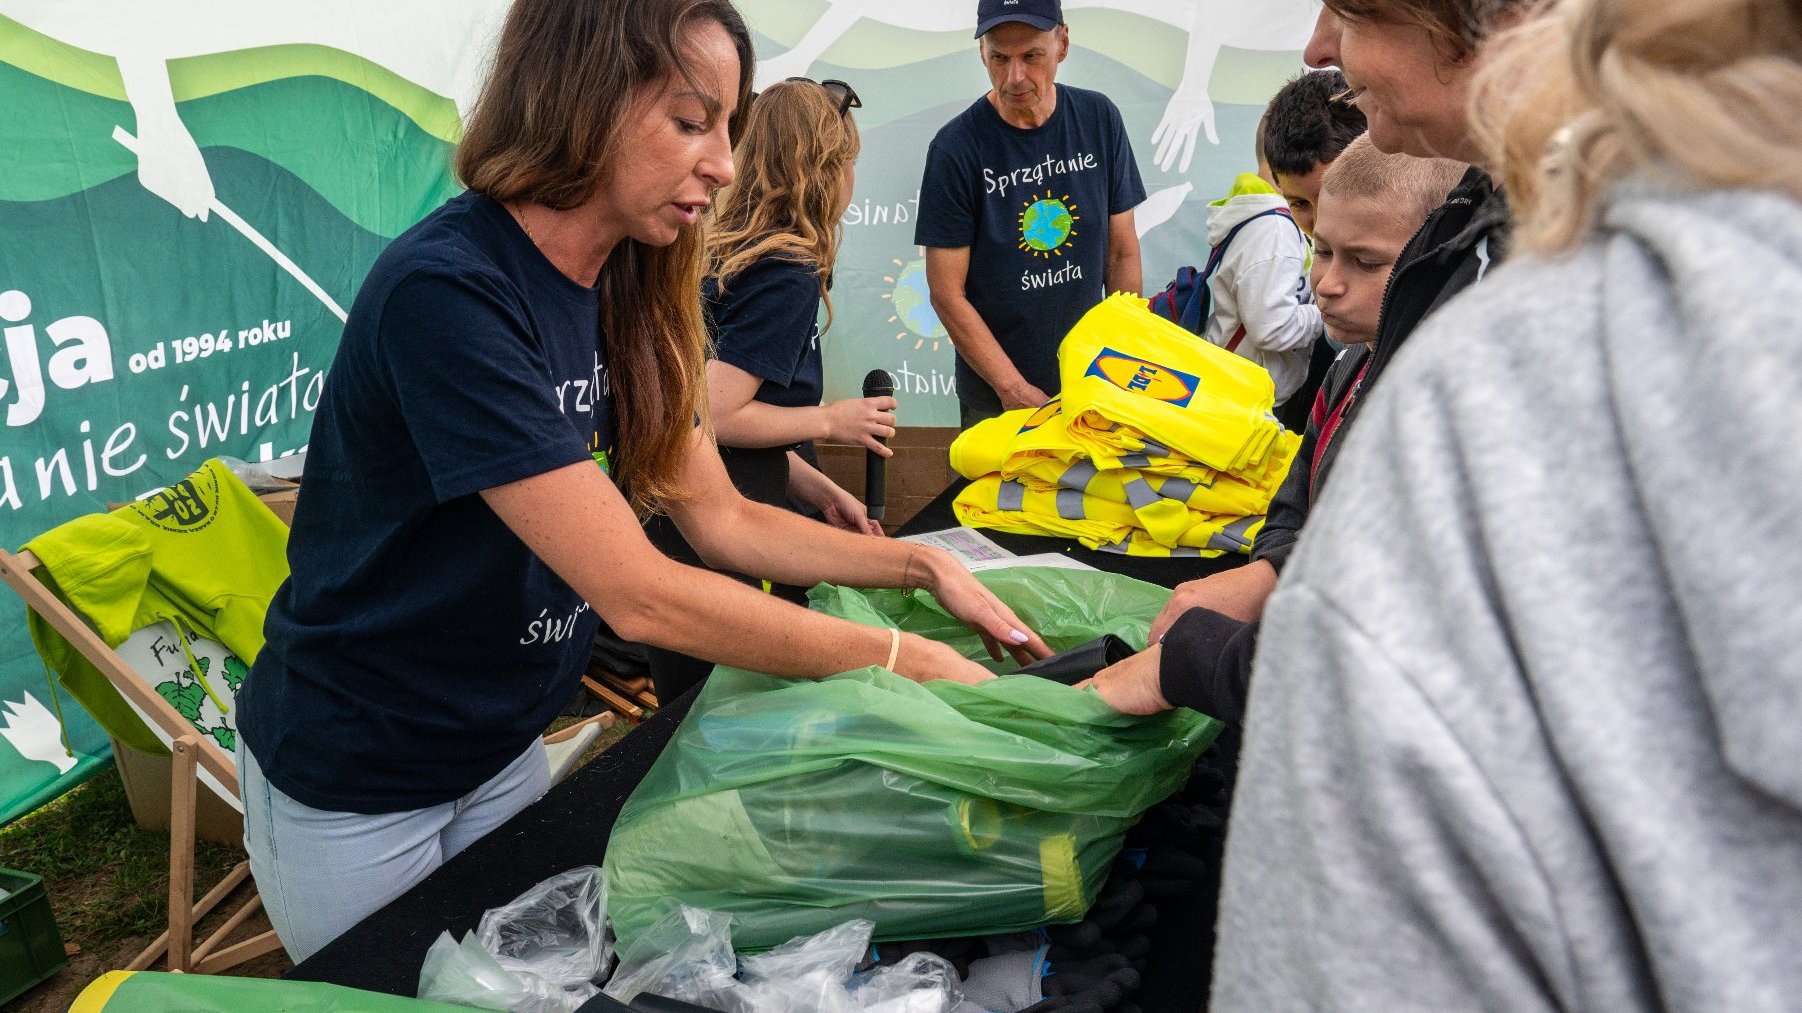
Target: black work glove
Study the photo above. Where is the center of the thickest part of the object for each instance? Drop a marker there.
(1098, 983)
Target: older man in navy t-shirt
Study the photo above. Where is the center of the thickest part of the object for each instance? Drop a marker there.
(1026, 212)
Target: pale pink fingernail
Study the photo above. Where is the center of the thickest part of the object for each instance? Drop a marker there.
(1017, 637)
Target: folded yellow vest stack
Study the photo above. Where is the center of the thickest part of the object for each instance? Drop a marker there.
(1161, 445)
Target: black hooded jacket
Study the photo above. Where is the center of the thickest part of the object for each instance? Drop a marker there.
(1206, 662)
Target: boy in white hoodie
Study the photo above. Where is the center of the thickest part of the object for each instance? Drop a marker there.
(1261, 305)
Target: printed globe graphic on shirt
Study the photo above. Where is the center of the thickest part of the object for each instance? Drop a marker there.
(1047, 224)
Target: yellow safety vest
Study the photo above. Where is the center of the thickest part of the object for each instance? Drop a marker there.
(1037, 443)
(1128, 374)
(1028, 507)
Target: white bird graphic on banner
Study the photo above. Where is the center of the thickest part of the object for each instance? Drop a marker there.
(438, 45)
(1210, 24)
(35, 733)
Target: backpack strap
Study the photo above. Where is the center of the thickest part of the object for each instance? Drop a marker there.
(1187, 300)
(1214, 258)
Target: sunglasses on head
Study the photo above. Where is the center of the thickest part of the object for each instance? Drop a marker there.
(847, 98)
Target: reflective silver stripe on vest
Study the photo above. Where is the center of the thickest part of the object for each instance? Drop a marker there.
(1135, 461)
(1179, 489)
(1069, 505)
(1233, 538)
(1122, 548)
(1140, 494)
(1078, 475)
(1154, 447)
(1012, 496)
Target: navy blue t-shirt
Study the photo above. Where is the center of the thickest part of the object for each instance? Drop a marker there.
(1033, 207)
(419, 646)
(765, 324)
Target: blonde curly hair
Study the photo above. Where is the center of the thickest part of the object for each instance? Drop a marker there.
(1707, 93)
(790, 185)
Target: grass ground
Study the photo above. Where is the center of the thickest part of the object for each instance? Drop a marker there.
(108, 882)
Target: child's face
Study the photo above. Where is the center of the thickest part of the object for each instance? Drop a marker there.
(1356, 242)
(1302, 193)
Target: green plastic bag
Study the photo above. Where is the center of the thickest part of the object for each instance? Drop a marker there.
(933, 810)
(138, 991)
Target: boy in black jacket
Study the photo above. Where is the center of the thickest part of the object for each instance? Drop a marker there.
(1369, 204)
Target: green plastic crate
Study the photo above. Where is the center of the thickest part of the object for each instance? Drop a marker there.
(30, 947)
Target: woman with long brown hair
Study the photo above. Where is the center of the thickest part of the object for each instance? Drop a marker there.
(771, 249)
(518, 383)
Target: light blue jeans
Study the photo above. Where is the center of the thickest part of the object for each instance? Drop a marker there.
(319, 873)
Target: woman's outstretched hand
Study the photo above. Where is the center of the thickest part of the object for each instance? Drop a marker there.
(963, 596)
(924, 660)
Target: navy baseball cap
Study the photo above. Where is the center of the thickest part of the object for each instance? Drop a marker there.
(1041, 14)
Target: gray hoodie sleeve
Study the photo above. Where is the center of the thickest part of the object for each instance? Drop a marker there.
(1354, 885)
(1522, 730)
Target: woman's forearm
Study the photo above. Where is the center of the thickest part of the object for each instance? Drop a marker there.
(564, 515)
(756, 424)
(778, 545)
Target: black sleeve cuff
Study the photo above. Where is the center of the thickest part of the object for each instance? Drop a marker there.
(1206, 663)
(1275, 555)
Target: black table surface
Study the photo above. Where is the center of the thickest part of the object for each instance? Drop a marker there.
(570, 825)
(1166, 570)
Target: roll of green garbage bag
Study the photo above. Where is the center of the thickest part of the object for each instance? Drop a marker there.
(142, 991)
(933, 809)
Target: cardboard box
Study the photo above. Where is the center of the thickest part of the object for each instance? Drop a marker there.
(914, 477)
(282, 503)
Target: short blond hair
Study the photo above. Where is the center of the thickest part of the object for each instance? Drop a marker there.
(1411, 187)
(1586, 92)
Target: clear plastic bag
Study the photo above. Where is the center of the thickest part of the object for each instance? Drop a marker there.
(808, 974)
(540, 953)
(467, 975)
(554, 931)
(917, 983)
(687, 955)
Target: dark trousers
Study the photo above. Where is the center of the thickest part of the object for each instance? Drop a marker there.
(969, 415)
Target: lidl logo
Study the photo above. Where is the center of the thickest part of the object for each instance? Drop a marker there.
(1045, 413)
(1148, 378)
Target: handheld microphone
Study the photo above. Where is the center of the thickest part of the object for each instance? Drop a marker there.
(876, 383)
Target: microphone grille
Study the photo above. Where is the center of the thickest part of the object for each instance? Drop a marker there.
(878, 383)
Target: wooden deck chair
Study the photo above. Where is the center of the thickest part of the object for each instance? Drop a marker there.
(197, 760)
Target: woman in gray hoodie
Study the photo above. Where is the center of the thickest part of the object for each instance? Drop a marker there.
(1524, 730)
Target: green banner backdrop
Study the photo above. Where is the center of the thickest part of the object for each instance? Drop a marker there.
(190, 195)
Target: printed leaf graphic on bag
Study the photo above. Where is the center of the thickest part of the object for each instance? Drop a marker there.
(235, 671)
(186, 699)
